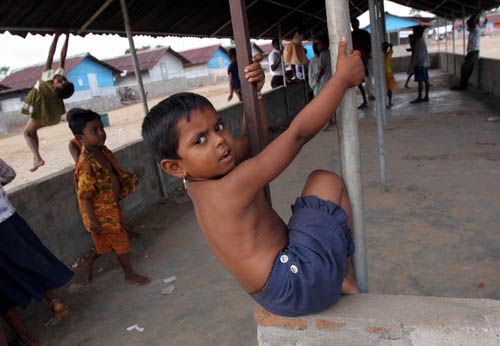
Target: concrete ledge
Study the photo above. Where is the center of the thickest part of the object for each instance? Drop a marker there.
(369, 319)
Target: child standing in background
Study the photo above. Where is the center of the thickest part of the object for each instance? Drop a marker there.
(391, 83)
(100, 185)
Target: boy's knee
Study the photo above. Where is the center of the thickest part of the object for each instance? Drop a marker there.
(325, 177)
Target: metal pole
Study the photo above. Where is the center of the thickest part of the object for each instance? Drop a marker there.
(446, 42)
(337, 12)
(454, 49)
(463, 29)
(380, 100)
(133, 53)
(439, 45)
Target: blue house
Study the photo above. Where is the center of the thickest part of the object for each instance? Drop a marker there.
(90, 76)
(205, 61)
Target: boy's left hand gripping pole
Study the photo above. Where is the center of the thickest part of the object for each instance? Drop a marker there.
(249, 93)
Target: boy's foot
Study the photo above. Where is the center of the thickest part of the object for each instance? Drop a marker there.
(87, 264)
(371, 98)
(363, 105)
(136, 279)
(36, 165)
(425, 99)
(349, 285)
(389, 105)
(416, 101)
(59, 309)
(407, 86)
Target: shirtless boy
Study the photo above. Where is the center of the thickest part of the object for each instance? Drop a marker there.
(290, 270)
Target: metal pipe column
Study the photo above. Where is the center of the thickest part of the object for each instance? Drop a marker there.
(133, 53)
(337, 12)
(380, 97)
(446, 43)
(454, 49)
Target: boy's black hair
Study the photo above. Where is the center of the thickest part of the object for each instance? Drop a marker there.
(65, 91)
(232, 52)
(159, 128)
(78, 118)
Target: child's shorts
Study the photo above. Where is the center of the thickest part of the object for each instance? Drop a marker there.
(421, 74)
(111, 242)
(307, 275)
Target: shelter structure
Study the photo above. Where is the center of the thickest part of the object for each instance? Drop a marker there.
(157, 64)
(242, 20)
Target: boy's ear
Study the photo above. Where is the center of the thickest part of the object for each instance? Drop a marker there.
(173, 167)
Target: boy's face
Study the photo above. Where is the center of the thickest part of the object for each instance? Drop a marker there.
(58, 81)
(205, 147)
(93, 134)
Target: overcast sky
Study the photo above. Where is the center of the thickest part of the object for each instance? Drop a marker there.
(17, 52)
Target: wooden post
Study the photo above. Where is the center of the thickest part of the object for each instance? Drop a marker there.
(337, 12)
(248, 91)
(133, 53)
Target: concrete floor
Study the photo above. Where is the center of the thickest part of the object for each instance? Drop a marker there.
(435, 232)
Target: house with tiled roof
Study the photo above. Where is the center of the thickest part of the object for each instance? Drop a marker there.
(206, 61)
(91, 77)
(157, 64)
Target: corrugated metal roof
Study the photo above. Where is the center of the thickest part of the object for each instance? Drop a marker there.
(27, 77)
(201, 55)
(147, 59)
(197, 18)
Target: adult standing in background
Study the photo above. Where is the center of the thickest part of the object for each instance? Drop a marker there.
(276, 65)
(361, 41)
(313, 71)
(472, 56)
(325, 68)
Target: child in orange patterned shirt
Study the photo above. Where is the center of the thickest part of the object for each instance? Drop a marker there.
(100, 185)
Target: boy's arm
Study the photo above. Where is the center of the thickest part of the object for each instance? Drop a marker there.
(254, 74)
(251, 176)
(7, 173)
(64, 51)
(52, 50)
(74, 151)
(89, 208)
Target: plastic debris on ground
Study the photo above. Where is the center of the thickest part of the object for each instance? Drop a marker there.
(168, 290)
(169, 280)
(135, 327)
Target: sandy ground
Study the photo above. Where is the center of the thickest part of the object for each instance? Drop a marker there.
(434, 232)
(125, 127)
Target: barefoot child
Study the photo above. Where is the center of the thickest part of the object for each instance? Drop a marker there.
(100, 185)
(44, 103)
(389, 77)
(27, 268)
(290, 270)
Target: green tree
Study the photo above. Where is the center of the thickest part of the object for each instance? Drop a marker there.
(4, 70)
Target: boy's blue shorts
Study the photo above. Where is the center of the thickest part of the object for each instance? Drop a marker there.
(307, 275)
(421, 74)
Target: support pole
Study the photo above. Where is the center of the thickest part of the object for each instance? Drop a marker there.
(463, 29)
(446, 44)
(381, 68)
(454, 49)
(439, 45)
(283, 71)
(379, 89)
(337, 12)
(133, 53)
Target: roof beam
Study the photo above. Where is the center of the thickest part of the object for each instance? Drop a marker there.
(219, 29)
(295, 9)
(282, 19)
(94, 16)
(356, 7)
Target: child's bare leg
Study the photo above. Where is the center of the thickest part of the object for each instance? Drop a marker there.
(13, 320)
(130, 276)
(87, 263)
(329, 186)
(59, 309)
(31, 137)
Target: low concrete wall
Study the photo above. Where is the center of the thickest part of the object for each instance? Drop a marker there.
(400, 63)
(367, 319)
(486, 74)
(49, 204)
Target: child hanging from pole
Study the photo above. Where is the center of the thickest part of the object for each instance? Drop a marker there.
(290, 270)
(44, 103)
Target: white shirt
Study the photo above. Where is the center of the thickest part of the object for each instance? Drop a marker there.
(273, 57)
(6, 176)
(421, 54)
(326, 65)
(313, 71)
(474, 37)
